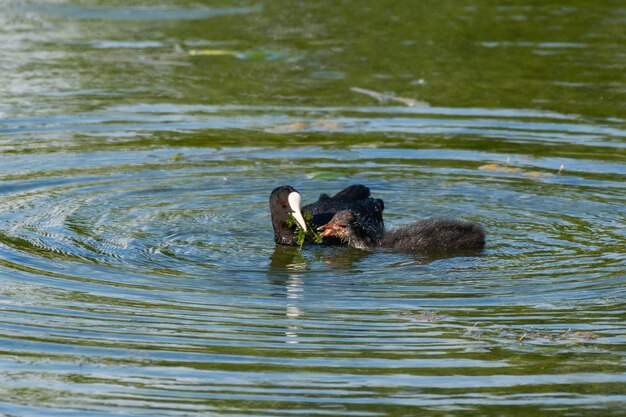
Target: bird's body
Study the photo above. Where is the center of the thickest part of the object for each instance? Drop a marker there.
(368, 211)
(435, 234)
(430, 235)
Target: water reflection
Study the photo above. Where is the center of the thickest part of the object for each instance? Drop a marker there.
(294, 294)
(285, 270)
(138, 273)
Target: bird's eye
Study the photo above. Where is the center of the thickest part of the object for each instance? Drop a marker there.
(283, 203)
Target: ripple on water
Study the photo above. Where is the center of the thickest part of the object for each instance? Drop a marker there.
(138, 275)
(148, 277)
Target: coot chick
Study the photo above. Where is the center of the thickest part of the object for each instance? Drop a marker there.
(367, 211)
(430, 235)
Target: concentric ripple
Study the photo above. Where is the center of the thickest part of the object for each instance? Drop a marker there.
(138, 148)
(149, 278)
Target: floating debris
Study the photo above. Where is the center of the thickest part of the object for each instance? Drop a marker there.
(288, 128)
(537, 174)
(541, 337)
(581, 335)
(554, 337)
(500, 168)
(306, 126)
(385, 97)
(423, 316)
(211, 52)
(267, 55)
(328, 124)
(514, 170)
(177, 157)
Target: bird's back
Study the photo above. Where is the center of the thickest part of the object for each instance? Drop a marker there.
(435, 235)
(368, 210)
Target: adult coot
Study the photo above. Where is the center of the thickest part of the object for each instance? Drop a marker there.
(430, 235)
(366, 211)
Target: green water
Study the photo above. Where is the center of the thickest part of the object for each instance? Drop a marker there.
(139, 142)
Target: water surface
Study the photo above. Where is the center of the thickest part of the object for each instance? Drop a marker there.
(138, 148)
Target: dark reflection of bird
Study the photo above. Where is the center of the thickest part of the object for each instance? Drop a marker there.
(430, 235)
(285, 200)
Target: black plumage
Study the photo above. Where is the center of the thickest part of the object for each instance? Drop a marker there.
(430, 235)
(366, 210)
